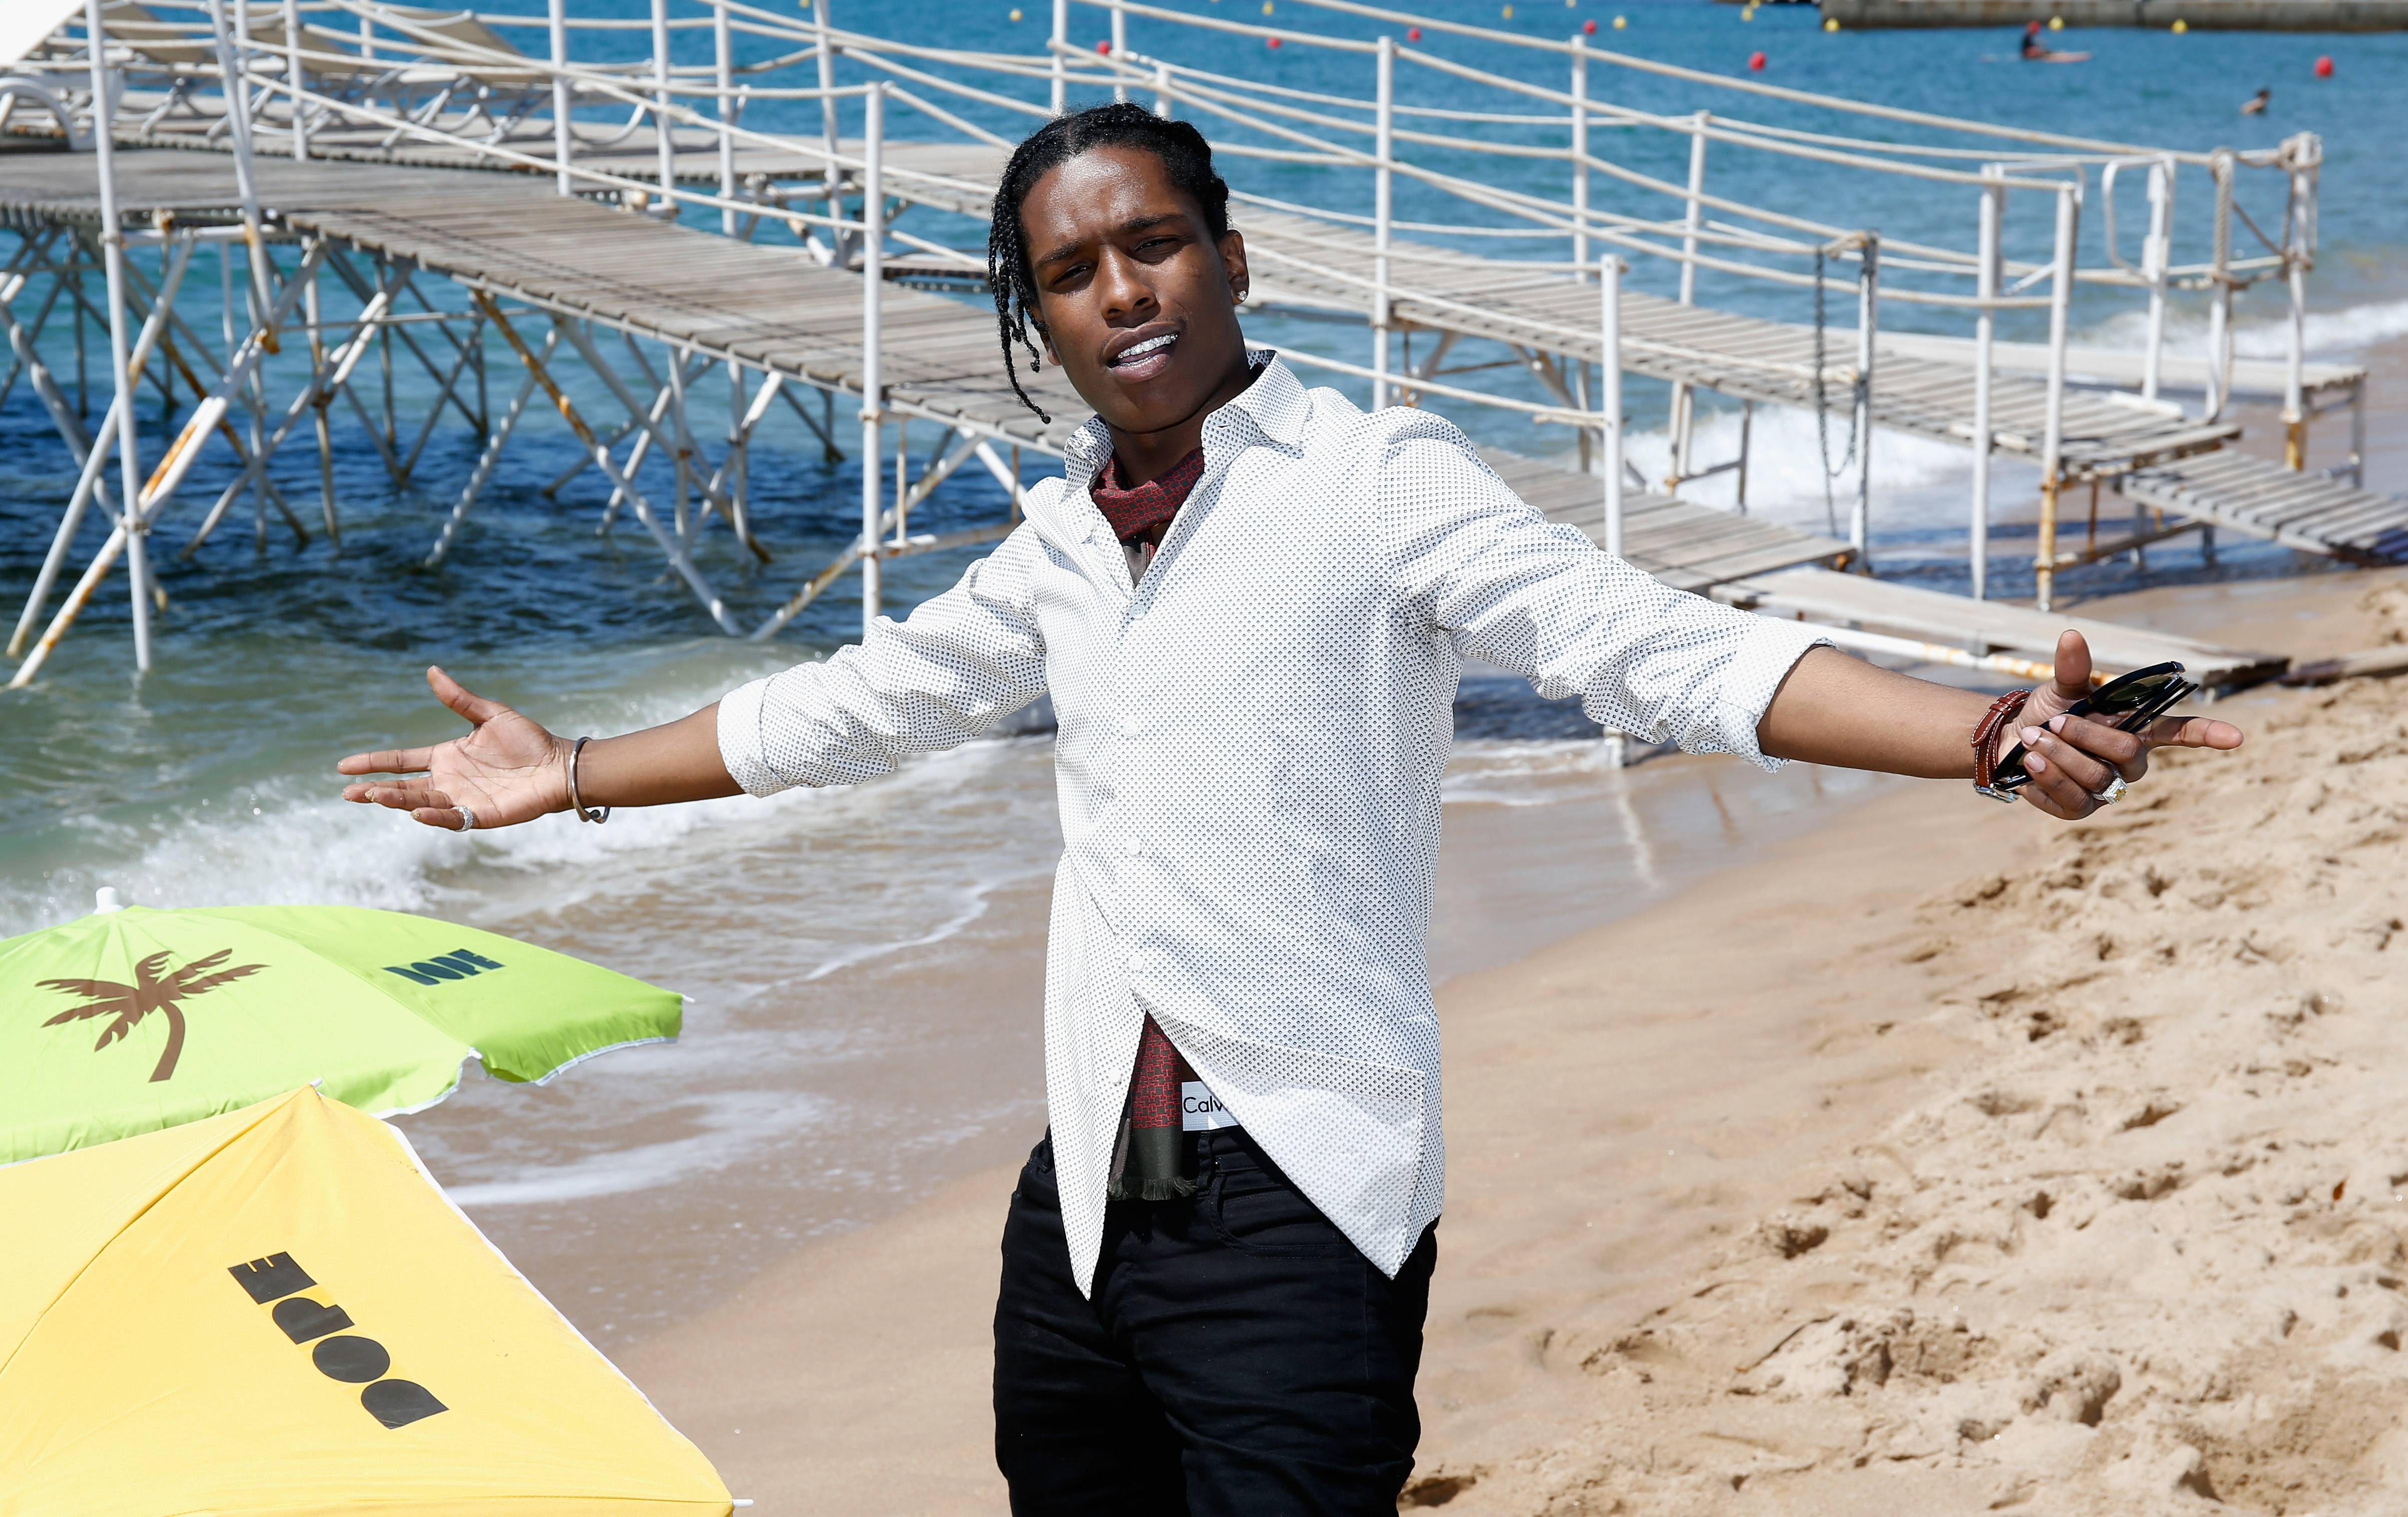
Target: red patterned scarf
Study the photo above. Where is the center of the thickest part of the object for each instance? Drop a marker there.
(1136, 510)
(1151, 1165)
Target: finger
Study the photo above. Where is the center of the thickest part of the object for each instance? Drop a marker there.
(2193, 732)
(2071, 679)
(2112, 745)
(2063, 759)
(388, 761)
(2054, 791)
(453, 694)
(445, 817)
(398, 797)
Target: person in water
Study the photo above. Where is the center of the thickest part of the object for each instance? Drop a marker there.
(1250, 602)
(2040, 52)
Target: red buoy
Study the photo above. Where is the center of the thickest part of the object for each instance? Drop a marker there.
(1104, 47)
(2324, 66)
(1271, 42)
(1589, 26)
(1755, 61)
(1413, 33)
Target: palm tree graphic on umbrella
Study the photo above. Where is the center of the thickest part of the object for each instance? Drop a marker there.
(151, 992)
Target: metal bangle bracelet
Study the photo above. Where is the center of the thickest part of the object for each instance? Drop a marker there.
(577, 803)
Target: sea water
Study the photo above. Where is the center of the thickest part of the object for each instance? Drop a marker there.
(863, 964)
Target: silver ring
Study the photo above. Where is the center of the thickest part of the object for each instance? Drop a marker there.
(468, 820)
(2114, 792)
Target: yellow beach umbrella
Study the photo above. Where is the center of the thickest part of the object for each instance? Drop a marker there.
(277, 1310)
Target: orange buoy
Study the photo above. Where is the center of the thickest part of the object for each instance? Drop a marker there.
(2324, 66)
(1104, 47)
(1589, 26)
(1413, 33)
(1755, 61)
(1271, 42)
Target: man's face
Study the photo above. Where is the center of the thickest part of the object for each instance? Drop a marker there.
(1138, 303)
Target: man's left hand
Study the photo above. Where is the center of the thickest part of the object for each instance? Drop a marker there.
(2074, 758)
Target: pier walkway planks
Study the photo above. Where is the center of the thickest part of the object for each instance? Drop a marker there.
(768, 308)
(1924, 388)
(511, 234)
(1743, 356)
(2167, 460)
(1686, 546)
(2263, 499)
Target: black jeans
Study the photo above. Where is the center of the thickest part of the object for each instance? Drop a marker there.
(1239, 1358)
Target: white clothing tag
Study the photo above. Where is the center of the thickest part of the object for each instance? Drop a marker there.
(1200, 1110)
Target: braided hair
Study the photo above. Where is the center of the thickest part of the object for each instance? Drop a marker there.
(1184, 154)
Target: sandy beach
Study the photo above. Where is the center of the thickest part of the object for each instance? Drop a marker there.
(1941, 1160)
(1818, 1141)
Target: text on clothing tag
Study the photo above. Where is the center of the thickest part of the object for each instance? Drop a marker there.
(1200, 1110)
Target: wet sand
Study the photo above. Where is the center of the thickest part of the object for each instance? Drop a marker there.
(1939, 1160)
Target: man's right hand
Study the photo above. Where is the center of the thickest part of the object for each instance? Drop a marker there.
(507, 769)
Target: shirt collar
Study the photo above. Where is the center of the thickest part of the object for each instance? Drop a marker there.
(1275, 405)
(1275, 402)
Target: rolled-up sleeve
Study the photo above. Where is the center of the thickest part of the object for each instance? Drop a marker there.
(1537, 597)
(960, 664)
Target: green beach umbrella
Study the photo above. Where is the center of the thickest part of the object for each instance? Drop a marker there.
(132, 1020)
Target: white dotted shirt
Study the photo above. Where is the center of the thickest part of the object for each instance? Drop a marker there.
(1250, 747)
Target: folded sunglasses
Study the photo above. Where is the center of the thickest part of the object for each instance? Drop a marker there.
(2127, 703)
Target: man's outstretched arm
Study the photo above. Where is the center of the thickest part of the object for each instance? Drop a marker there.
(1841, 711)
(510, 769)
(940, 679)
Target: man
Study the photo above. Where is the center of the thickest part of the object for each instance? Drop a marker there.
(1248, 601)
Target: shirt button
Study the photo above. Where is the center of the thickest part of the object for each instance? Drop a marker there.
(1133, 846)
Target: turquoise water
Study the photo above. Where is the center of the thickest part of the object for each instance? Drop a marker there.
(209, 781)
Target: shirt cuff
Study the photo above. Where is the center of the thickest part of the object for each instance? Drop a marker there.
(1768, 651)
(740, 739)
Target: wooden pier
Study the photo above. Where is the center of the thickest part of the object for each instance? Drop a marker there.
(1687, 545)
(777, 311)
(2315, 512)
(767, 307)
(1922, 386)
(594, 220)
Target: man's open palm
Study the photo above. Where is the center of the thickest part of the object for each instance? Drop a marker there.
(507, 769)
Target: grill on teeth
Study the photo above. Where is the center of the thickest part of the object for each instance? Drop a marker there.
(1149, 345)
